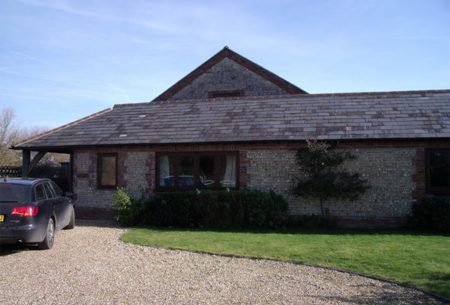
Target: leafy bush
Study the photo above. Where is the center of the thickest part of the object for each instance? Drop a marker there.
(129, 210)
(205, 209)
(432, 213)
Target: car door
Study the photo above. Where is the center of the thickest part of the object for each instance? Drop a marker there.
(57, 205)
(64, 202)
(41, 199)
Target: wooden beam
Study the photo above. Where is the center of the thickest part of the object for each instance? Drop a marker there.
(35, 160)
(25, 162)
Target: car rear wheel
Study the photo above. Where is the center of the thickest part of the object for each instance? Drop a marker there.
(71, 224)
(47, 243)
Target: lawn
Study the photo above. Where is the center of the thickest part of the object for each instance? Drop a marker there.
(419, 260)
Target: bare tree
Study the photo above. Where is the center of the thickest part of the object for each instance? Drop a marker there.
(11, 133)
(7, 130)
(8, 134)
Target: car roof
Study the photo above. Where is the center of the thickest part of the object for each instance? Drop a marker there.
(22, 181)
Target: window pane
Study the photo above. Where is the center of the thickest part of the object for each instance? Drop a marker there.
(439, 168)
(166, 171)
(49, 190)
(56, 188)
(187, 171)
(186, 175)
(206, 165)
(108, 171)
(227, 171)
(40, 193)
(13, 192)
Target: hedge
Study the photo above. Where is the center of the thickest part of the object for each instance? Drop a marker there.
(431, 214)
(203, 209)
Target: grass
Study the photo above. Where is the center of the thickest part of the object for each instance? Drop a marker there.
(419, 260)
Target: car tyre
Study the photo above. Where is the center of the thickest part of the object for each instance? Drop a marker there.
(71, 224)
(47, 243)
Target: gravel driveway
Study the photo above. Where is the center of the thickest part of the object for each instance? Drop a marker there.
(89, 265)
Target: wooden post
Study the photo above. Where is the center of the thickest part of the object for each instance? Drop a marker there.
(36, 160)
(26, 155)
(71, 172)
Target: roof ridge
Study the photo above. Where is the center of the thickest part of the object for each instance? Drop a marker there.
(291, 96)
(38, 136)
(396, 92)
(130, 104)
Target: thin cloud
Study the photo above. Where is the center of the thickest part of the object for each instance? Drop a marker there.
(26, 56)
(64, 7)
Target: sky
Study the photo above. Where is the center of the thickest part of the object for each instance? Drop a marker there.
(62, 60)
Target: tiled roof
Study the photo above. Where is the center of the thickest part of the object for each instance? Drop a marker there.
(382, 115)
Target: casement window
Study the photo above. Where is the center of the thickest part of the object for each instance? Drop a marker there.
(438, 171)
(107, 170)
(187, 171)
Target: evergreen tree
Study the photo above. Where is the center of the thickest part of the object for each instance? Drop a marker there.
(324, 178)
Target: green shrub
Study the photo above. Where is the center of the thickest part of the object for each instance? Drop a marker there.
(431, 213)
(205, 209)
(129, 210)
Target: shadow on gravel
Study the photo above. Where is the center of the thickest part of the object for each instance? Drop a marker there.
(97, 223)
(9, 249)
(385, 298)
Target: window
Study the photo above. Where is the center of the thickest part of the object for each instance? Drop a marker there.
(438, 171)
(226, 93)
(186, 171)
(56, 188)
(107, 171)
(50, 192)
(14, 192)
(39, 192)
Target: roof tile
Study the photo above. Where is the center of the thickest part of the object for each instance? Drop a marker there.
(419, 114)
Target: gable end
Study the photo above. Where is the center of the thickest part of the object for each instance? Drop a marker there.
(229, 71)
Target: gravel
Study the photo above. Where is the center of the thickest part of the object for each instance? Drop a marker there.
(90, 265)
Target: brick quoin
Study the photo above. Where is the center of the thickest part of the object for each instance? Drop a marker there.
(121, 169)
(419, 175)
(150, 176)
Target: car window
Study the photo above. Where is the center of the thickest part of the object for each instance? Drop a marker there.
(57, 189)
(39, 192)
(49, 190)
(10, 192)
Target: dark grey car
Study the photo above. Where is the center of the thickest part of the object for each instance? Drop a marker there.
(33, 210)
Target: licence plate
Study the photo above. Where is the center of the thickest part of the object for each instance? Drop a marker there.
(2, 217)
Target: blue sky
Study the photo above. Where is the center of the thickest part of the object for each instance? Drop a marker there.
(61, 60)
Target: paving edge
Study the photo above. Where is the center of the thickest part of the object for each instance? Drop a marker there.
(374, 277)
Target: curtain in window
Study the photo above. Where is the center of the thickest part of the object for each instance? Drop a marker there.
(164, 169)
(108, 171)
(229, 178)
